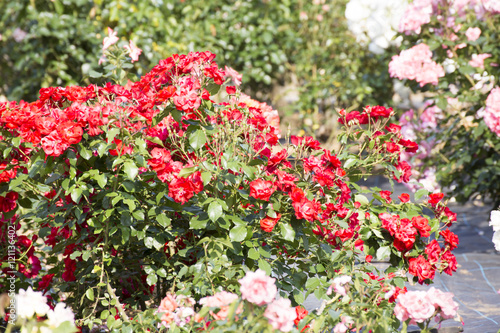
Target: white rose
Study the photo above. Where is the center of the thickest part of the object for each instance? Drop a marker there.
(30, 302)
(495, 220)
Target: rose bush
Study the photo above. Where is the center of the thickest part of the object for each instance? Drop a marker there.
(122, 194)
(450, 50)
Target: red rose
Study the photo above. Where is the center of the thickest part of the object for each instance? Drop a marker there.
(45, 282)
(180, 189)
(452, 217)
(231, 90)
(405, 169)
(422, 225)
(9, 202)
(262, 189)
(53, 144)
(449, 238)
(404, 236)
(421, 268)
(301, 314)
(386, 195)
(391, 147)
(69, 270)
(405, 197)
(120, 148)
(434, 198)
(196, 182)
(451, 262)
(165, 93)
(306, 209)
(393, 128)
(267, 224)
(433, 251)
(70, 132)
(409, 145)
(45, 125)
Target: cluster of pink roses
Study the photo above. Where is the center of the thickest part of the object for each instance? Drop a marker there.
(421, 306)
(255, 287)
(492, 111)
(259, 289)
(416, 64)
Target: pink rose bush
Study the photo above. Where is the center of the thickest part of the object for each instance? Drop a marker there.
(457, 54)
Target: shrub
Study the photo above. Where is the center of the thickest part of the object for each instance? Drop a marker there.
(457, 70)
(124, 194)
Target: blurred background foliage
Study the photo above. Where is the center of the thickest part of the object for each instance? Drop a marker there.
(297, 55)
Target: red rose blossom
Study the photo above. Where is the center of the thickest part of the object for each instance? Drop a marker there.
(421, 268)
(422, 225)
(267, 224)
(404, 197)
(262, 189)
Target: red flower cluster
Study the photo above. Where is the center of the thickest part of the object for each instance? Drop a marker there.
(402, 230)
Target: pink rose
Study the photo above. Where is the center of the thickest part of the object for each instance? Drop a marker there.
(167, 307)
(444, 302)
(473, 34)
(234, 75)
(221, 300)
(339, 285)
(342, 326)
(110, 40)
(281, 314)
(492, 111)
(478, 60)
(133, 51)
(418, 305)
(258, 288)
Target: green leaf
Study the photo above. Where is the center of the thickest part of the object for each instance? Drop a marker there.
(76, 194)
(94, 74)
(86, 154)
(163, 220)
(131, 169)
(383, 252)
(264, 265)
(287, 232)
(361, 199)
(253, 254)
(176, 115)
(152, 279)
(312, 283)
(350, 162)
(197, 139)
(197, 223)
(101, 179)
(238, 234)
(214, 211)
(206, 177)
(186, 171)
(112, 133)
(421, 193)
(90, 294)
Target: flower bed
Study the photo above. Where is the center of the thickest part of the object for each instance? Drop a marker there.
(150, 206)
